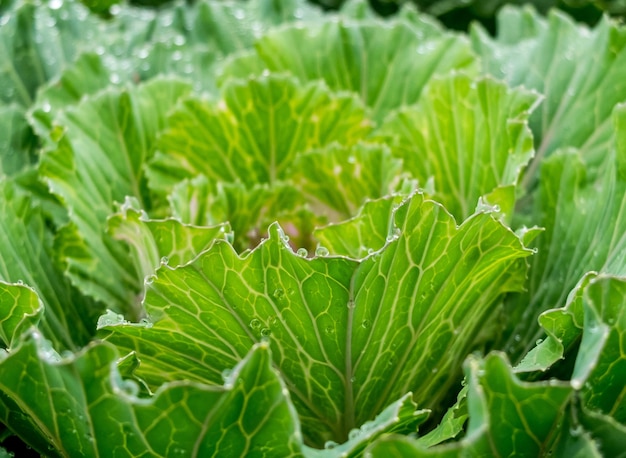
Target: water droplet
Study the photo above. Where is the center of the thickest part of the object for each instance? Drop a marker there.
(302, 252)
(226, 375)
(577, 431)
(266, 332)
(435, 370)
(164, 260)
(352, 379)
(329, 330)
(366, 324)
(278, 293)
(517, 337)
(354, 434)
(321, 251)
(146, 323)
(538, 341)
(329, 445)
(255, 324)
(150, 279)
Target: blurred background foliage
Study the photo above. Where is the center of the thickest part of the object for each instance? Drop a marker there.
(455, 14)
(458, 14)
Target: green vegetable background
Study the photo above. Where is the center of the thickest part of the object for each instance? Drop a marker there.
(277, 228)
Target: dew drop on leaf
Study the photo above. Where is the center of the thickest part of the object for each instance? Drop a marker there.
(366, 324)
(255, 324)
(302, 252)
(278, 293)
(321, 251)
(266, 332)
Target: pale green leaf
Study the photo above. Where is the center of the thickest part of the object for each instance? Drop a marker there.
(414, 308)
(255, 132)
(470, 135)
(367, 232)
(155, 242)
(387, 64)
(100, 160)
(249, 211)
(338, 179)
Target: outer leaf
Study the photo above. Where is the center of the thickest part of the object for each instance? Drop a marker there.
(86, 76)
(101, 160)
(349, 338)
(582, 73)
(20, 308)
(563, 327)
(471, 136)
(17, 145)
(420, 305)
(255, 133)
(601, 364)
(341, 178)
(507, 417)
(372, 59)
(26, 256)
(160, 241)
(451, 424)
(580, 236)
(80, 406)
(610, 434)
(400, 417)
